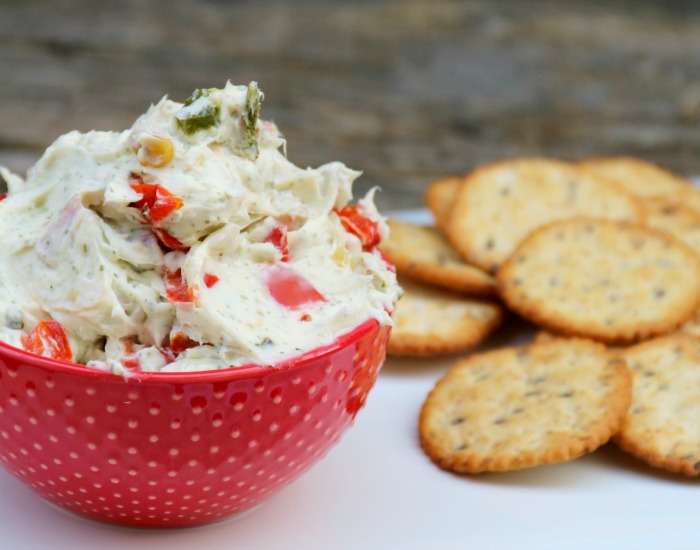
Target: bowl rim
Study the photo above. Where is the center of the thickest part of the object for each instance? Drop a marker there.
(214, 375)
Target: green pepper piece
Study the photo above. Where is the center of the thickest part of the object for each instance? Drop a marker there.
(192, 121)
(199, 92)
(253, 102)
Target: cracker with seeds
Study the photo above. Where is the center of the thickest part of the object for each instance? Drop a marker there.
(440, 196)
(424, 253)
(610, 281)
(498, 205)
(661, 426)
(430, 321)
(520, 407)
(639, 177)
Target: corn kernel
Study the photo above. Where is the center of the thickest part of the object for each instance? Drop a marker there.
(340, 256)
(154, 151)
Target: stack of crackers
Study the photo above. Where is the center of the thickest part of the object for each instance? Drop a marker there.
(604, 256)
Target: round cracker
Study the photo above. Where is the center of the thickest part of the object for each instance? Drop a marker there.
(498, 205)
(637, 176)
(440, 196)
(521, 407)
(430, 321)
(675, 219)
(661, 426)
(610, 281)
(424, 253)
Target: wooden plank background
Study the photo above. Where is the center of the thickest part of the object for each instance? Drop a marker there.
(405, 90)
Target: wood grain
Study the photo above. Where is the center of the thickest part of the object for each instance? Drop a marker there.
(406, 91)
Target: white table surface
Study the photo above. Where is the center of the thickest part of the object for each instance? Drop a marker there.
(377, 489)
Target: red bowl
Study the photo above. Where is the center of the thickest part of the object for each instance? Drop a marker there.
(167, 450)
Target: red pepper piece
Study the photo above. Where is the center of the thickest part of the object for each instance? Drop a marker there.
(147, 192)
(210, 280)
(165, 203)
(131, 362)
(358, 223)
(128, 346)
(48, 339)
(168, 354)
(291, 289)
(176, 288)
(3, 197)
(32, 342)
(179, 342)
(156, 201)
(167, 240)
(278, 237)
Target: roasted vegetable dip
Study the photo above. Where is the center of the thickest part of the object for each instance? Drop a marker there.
(188, 242)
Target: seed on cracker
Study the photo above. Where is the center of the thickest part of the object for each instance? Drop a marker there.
(675, 219)
(440, 196)
(425, 254)
(610, 281)
(661, 426)
(687, 196)
(498, 205)
(521, 407)
(639, 177)
(430, 321)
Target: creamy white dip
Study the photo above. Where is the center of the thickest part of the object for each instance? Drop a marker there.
(162, 248)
